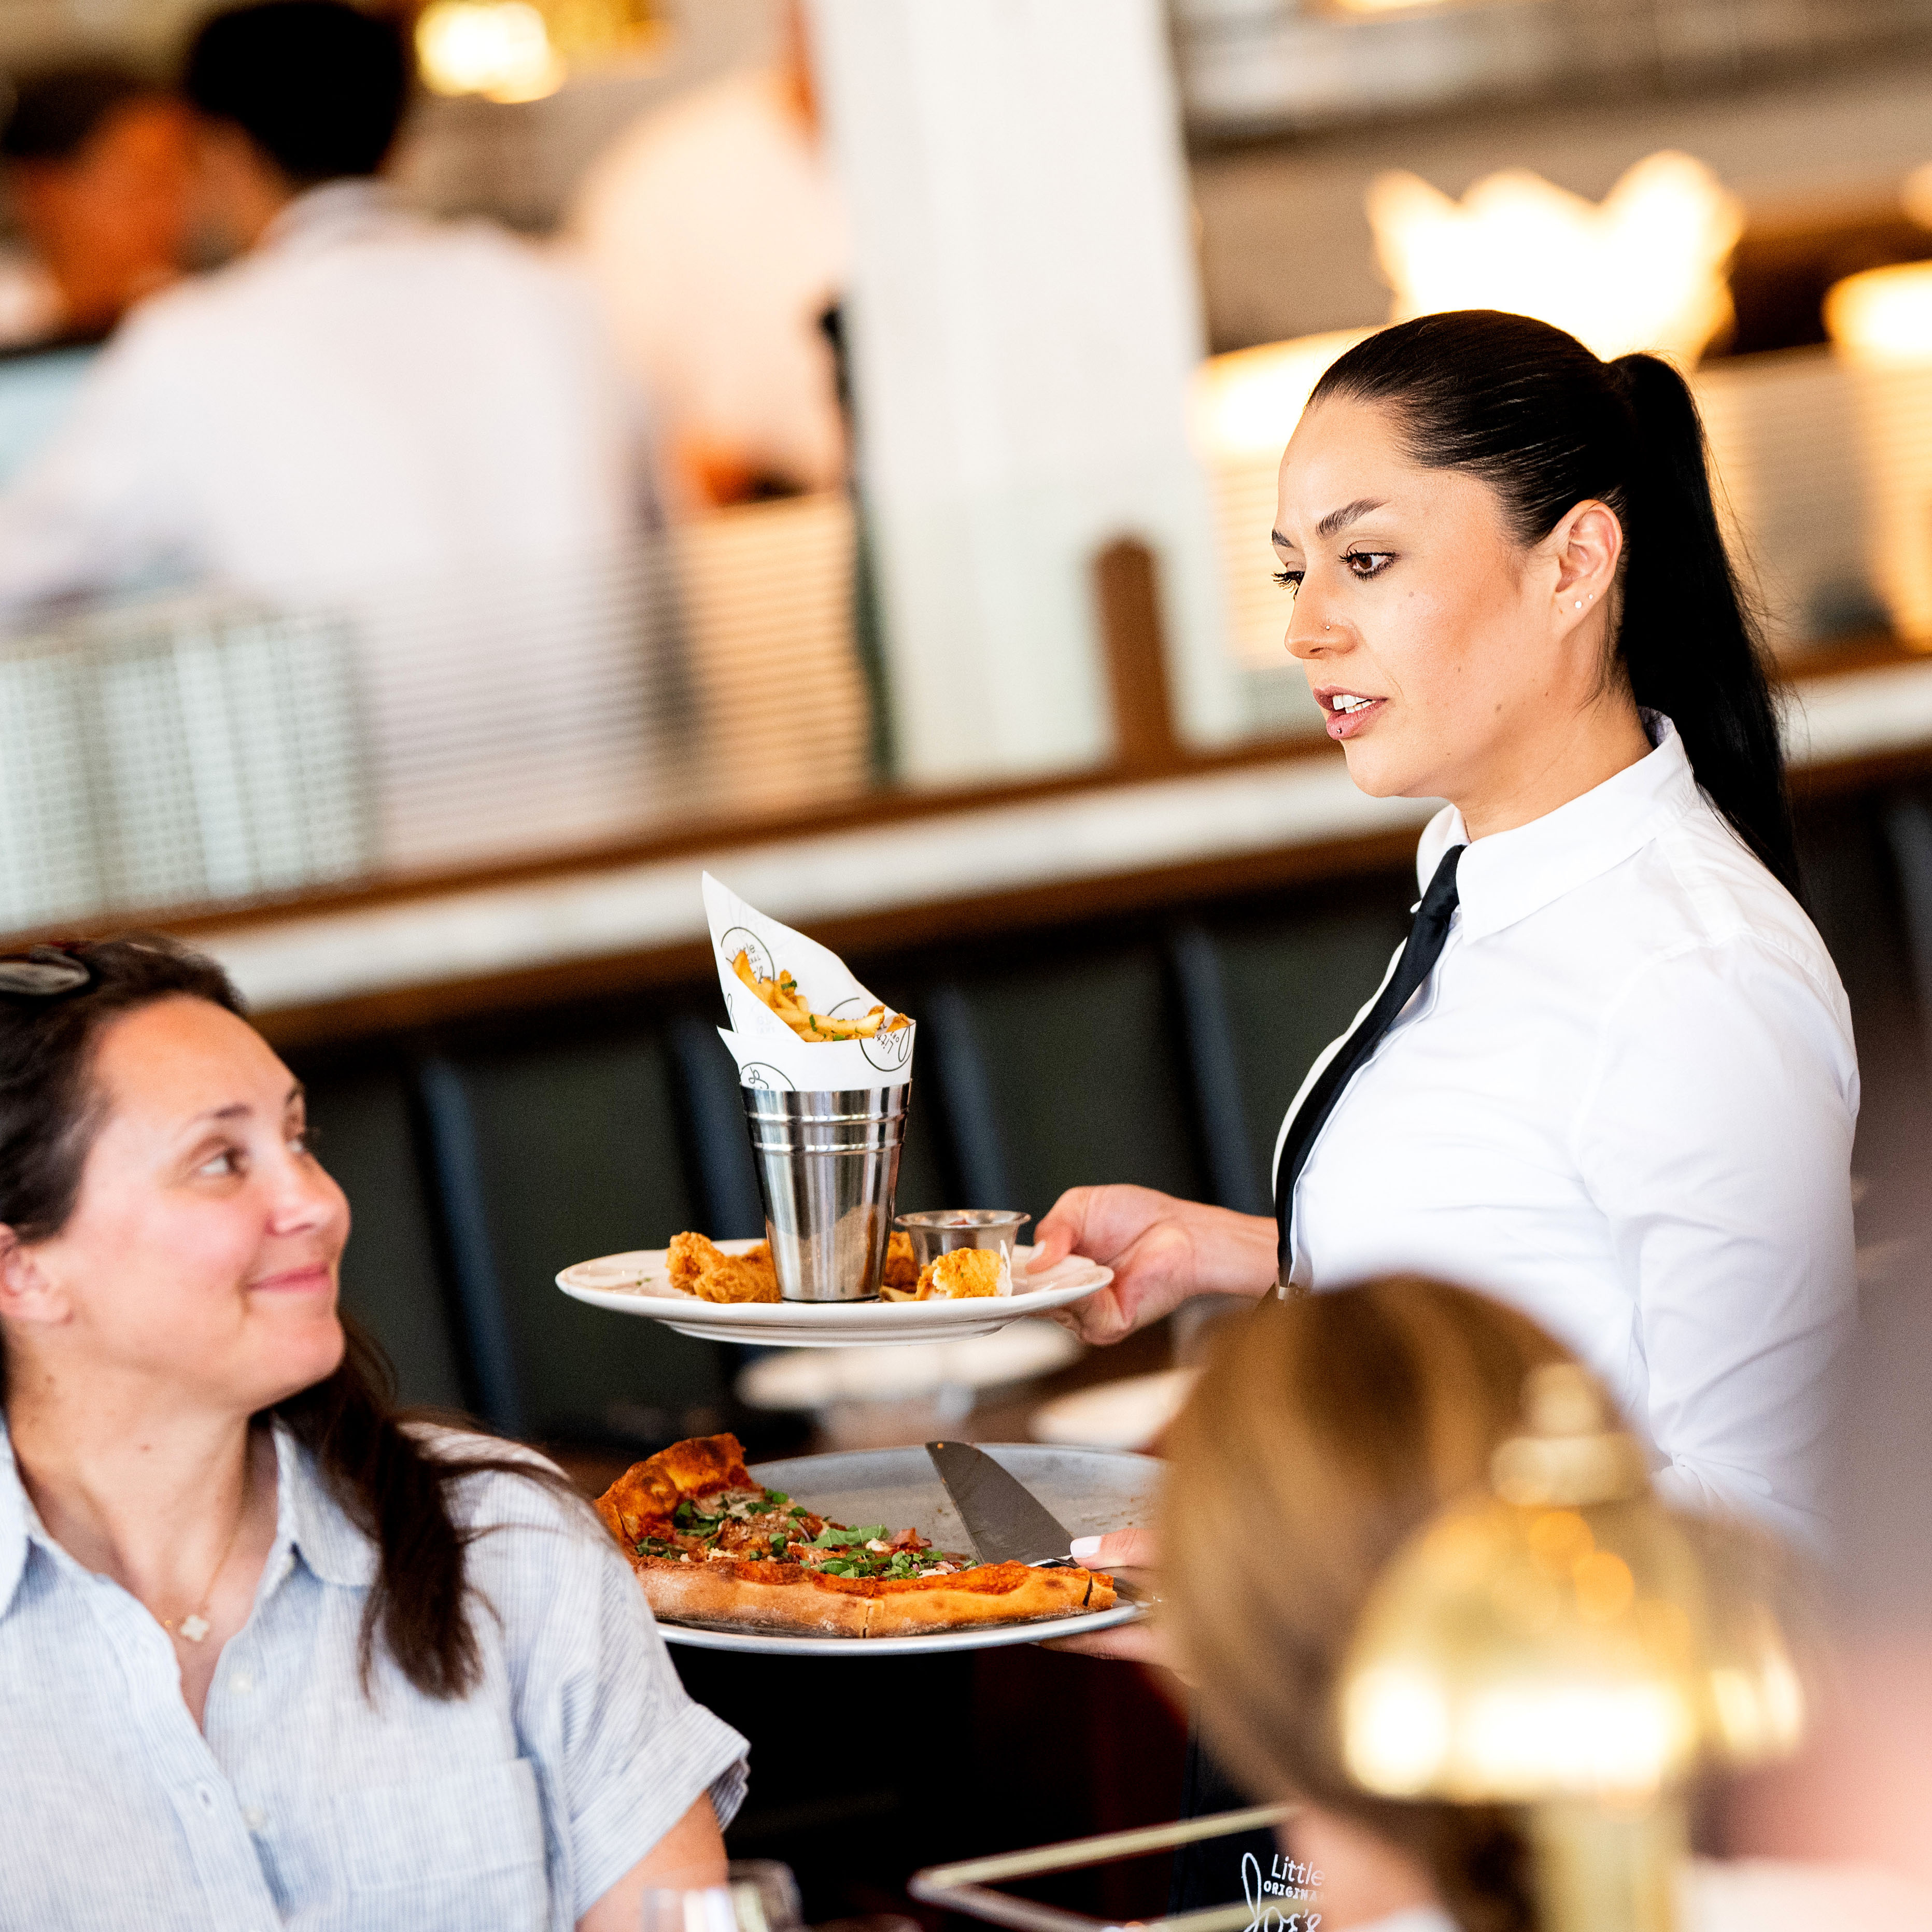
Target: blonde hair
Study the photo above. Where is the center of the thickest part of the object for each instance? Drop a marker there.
(1325, 1430)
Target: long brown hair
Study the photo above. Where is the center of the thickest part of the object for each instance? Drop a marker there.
(393, 1490)
(1325, 1430)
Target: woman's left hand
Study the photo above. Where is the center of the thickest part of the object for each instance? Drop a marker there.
(1140, 1641)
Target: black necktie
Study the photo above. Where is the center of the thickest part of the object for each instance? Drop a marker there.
(1420, 952)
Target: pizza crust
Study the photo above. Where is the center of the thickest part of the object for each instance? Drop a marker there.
(720, 1595)
(997, 1593)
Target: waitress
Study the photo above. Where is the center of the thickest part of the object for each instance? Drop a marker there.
(1609, 1078)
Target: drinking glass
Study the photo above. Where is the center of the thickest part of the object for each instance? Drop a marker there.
(758, 1895)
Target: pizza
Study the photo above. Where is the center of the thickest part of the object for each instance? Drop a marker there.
(712, 1545)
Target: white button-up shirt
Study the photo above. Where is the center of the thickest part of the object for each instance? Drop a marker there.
(301, 1802)
(1625, 1103)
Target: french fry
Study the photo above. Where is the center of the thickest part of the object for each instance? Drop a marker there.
(741, 966)
(782, 996)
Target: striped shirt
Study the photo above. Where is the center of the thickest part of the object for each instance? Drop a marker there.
(301, 1802)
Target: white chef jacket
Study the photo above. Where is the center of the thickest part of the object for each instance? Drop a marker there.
(367, 396)
(715, 234)
(420, 425)
(1624, 1102)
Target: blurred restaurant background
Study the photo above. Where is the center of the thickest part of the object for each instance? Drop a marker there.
(848, 468)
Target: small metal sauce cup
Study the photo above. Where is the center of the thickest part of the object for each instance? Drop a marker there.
(828, 1164)
(936, 1231)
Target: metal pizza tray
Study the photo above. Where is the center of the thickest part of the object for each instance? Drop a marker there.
(1091, 1491)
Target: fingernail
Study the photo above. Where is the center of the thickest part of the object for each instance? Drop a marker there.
(1082, 1547)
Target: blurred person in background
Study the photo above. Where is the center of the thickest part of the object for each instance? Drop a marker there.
(714, 231)
(272, 1653)
(1323, 1433)
(414, 422)
(98, 164)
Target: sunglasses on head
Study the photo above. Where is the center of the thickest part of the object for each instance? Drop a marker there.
(43, 972)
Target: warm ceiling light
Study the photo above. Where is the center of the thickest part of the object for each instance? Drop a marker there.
(500, 49)
(1643, 269)
(1245, 405)
(1885, 315)
(1386, 6)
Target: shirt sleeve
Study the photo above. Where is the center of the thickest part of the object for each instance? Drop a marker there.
(621, 1752)
(97, 507)
(1716, 1136)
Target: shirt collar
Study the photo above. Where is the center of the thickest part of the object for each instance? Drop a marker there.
(1511, 875)
(337, 211)
(17, 1518)
(308, 1521)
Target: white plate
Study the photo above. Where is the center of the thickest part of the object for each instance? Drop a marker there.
(1091, 1491)
(812, 1377)
(1129, 1413)
(636, 1283)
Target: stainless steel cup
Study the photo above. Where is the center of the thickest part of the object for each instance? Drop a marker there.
(937, 1231)
(828, 1165)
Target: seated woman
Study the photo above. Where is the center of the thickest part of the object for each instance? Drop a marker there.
(1324, 1432)
(269, 1654)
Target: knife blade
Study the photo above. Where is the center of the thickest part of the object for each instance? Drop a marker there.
(1005, 1521)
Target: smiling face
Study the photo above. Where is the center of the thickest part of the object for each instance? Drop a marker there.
(1450, 660)
(204, 1246)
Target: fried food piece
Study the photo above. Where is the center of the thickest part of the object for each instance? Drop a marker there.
(902, 1268)
(699, 1268)
(961, 1272)
(782, 996)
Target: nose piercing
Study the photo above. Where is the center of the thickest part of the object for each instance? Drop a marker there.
(1327, 627)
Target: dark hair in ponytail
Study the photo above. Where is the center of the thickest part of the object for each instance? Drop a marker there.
(1548, 425)
(394, 1489)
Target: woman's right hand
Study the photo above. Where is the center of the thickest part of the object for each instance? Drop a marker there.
(1161, 1250)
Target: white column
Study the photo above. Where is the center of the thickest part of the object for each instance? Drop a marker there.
(1025, 316)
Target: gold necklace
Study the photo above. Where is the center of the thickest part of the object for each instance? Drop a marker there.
(195, 1625)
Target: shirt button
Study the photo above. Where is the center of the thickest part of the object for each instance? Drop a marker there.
(254, 1817)
(204, 1796)
(241, 1683)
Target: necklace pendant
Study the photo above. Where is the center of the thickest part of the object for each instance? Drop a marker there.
(195, 1628)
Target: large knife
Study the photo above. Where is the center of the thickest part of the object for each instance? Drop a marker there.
(1006, 1522)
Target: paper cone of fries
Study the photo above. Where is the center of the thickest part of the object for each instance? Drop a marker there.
(767, 972)
(825, 1071)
